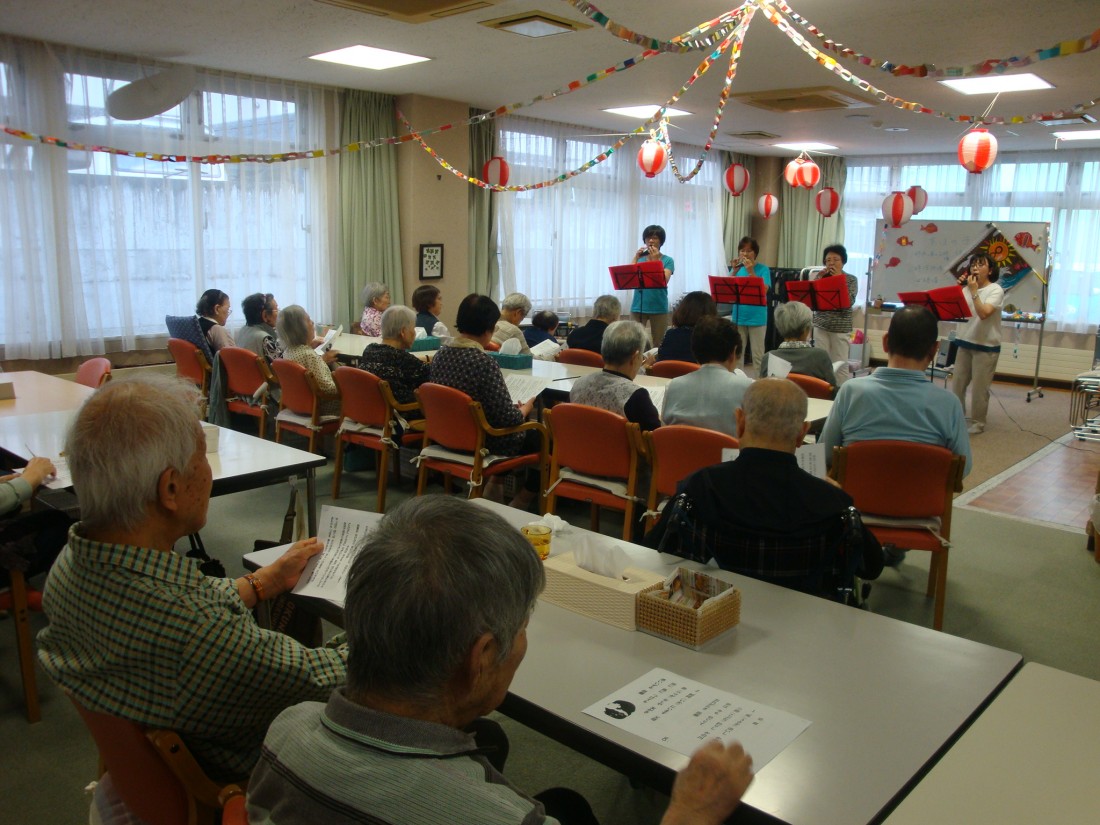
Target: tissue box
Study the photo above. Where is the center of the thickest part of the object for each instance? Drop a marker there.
(683, 624)
(7, 390)
(610, 601)
(520, 361)
(211, 432)
(428, 342)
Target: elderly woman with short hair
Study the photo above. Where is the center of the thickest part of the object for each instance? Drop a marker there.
(376, 298)
(213, 310)
(692, 308)
(614, 389)
(391, 360)
(296, 331)
(513, 309)
(794, 322)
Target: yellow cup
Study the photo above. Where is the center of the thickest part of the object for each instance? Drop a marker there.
(539, 536)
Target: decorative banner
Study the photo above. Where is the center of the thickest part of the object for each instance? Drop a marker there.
(737, 179)
(767, 205)
(688, 41)
(897, 209)
(919, 198)
(977, 151)
(495, 171)
(827, 202)
(652, 158)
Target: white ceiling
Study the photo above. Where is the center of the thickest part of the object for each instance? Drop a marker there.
(488, 68)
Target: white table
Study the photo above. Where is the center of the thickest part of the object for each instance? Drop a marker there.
(36, 392)
(884, 697)
(1031, 757)
(350, 346)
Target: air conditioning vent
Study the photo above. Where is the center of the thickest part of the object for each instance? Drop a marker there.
(816, 99)
(752, 135)
(412, 11)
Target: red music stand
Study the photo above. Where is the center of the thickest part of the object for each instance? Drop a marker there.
(646, 275)
(823, 295)
(946, 302)
(747, 290)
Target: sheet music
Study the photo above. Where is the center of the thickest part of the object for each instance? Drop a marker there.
(523, 388)
(681, 714)
(342, 530)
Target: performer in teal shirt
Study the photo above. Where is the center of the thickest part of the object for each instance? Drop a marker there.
(652, 304)
(751, 321)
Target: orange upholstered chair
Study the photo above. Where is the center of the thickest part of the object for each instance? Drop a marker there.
(455, 428)
(581, 357)
(94, 372)
(300, 404)
(595, 458)
(675, 452)
(247, 378)
(367, 417)
(813, 387)
(902, 489)
(191, 364)
(671, 369)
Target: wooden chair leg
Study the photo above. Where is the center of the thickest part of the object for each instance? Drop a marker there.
(338, 468)
(383, 467)
(278, 433)
(312, 440)
(941, 589)
(594, 517)
(628, 521)
(421, 478)
(262, 424)
(24, 645)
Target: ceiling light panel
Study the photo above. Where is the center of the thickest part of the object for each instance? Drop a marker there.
(1026, 82)
(368, 57)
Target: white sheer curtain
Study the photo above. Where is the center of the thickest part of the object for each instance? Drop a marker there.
(557, 243)
(97, 248)
(1062, 188)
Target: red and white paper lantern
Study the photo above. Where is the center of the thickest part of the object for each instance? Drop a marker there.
(919, 198)
(802, 172)
(827, 202)
(737, 179)
(977, 151)
(495, 171)
(652, 158)
(897, 209)
(768, 205)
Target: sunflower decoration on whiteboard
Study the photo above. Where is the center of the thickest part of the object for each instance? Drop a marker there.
(1009, 262)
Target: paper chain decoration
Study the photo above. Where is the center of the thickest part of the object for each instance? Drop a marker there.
(727, 31)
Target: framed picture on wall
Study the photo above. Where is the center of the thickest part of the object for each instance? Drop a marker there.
(431, 261)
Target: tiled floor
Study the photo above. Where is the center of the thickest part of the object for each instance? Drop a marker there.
(1057, 488)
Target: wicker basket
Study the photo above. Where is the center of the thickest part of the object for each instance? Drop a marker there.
(685, 625)
(607, 600)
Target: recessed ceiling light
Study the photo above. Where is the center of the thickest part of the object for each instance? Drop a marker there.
(368, 57)
(645, 111)
(1091, 134)
(1026, 82)
(896, 129)
(1072, 120)
(809, 146)
(535, 24)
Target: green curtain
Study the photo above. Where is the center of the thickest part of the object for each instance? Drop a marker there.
(370, 228)
(484, 266)
(803, 232)
(736, 212)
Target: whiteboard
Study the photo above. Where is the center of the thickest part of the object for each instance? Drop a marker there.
(925, 254)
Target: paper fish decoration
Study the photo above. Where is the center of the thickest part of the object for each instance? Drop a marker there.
(1024, 239)
(930, 228)
(893, 262)
(904, 241)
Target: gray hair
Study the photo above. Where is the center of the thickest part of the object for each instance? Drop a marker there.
(793, 319)
(372, 292)
(123, 439)
(621, 340)
(396, 318)
(775, 408)
(517, 300)
(293, 326)
(607, 306)
(436, 574)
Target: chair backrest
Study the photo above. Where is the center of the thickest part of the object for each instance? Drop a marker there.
(813, 387)
(449, 420)
(191, 364)
(145, 783)
(361, 397)
(900, 479)
(245, 371)
(592, 441)
(298, 387)
(677, 450)
(188, 328)
(582, 357)
(94, 372)
(672, 368)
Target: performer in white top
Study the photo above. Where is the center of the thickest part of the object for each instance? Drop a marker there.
(980, 338)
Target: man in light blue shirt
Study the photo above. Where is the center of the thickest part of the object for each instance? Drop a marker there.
(898, 402)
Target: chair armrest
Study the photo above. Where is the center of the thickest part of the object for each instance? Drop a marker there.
(180, 761)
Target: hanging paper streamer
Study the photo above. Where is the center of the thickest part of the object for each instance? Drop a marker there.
(694, 39)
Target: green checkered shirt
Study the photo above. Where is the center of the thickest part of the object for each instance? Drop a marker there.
(142, 634)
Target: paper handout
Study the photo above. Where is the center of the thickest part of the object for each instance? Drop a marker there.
(342, 530)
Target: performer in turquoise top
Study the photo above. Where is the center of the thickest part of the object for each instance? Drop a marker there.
(652, 304)
(751, 321)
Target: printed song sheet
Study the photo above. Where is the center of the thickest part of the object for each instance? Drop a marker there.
(342, 530)
(682, 715)
(524, 387)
